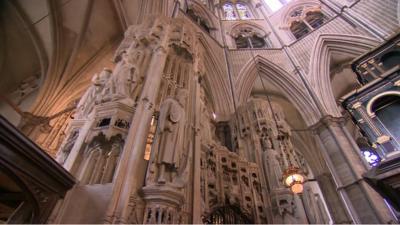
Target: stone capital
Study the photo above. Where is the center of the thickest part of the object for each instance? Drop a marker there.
(326, 122)
(163, 193)
(159, 49)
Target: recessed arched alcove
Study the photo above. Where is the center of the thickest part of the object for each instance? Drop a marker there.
(332, 53)
(228, 214)
(262, 79)
(386, 108)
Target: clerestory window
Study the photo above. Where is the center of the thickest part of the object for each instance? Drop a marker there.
(305, 21)
(248, 38)
(236, 11)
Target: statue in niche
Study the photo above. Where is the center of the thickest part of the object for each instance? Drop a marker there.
(274, 168)
(233, 194)
(104, 78)
(66, 149)
(266, 143)
(88, 98)
(171, 137)
(124, 80)
(93, 94)
(128, 42)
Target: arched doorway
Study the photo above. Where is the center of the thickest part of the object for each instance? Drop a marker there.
(228, 214)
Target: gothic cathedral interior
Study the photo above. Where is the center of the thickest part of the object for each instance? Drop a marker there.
(200, 111)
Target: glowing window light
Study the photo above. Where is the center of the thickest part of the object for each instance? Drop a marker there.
(229, 12)
(275, 5)
(243, 11)
(371, 157)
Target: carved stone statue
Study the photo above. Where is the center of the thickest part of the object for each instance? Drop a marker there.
(88, 98)
(124, 80)
(266, 143)
(171, 136)
(94, 93)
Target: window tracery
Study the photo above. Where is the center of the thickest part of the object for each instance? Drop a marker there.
(236, 11)
(229, 11)
(248, 37)
(304, 20)
(243, 11)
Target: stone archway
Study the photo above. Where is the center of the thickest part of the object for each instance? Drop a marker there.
(290, 86)
(228, 214)
(319, 74)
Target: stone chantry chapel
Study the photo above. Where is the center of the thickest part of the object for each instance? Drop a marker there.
(200, 111)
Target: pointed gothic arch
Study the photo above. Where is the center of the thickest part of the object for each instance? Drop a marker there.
(236, 27)
(204, 13)
(228, 214)
(292, 6)
(245, 32)
(319, 76)
(290, 86)
(215, 78)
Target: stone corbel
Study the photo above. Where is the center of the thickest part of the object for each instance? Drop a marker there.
(327, 121)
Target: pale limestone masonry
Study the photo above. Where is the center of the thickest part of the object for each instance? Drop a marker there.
(171, 122)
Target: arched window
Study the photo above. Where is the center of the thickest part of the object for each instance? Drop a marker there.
(243, 11)
(229, 11)
(247, 37)
(299, 29)
(315, 19)
(236, 11)
(390, 59)
(386, 109)
(304, 20)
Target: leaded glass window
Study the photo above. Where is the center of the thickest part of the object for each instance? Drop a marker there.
(244, 13)
(248, 38)
(236, 11)
(229, 11)
(304, 22)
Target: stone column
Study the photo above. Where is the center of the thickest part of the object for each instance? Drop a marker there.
(336, 207)
(196, 210)
(132, 168)
(346, 168)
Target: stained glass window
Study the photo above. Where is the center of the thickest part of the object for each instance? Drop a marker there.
(244, 13)
(229, 12)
